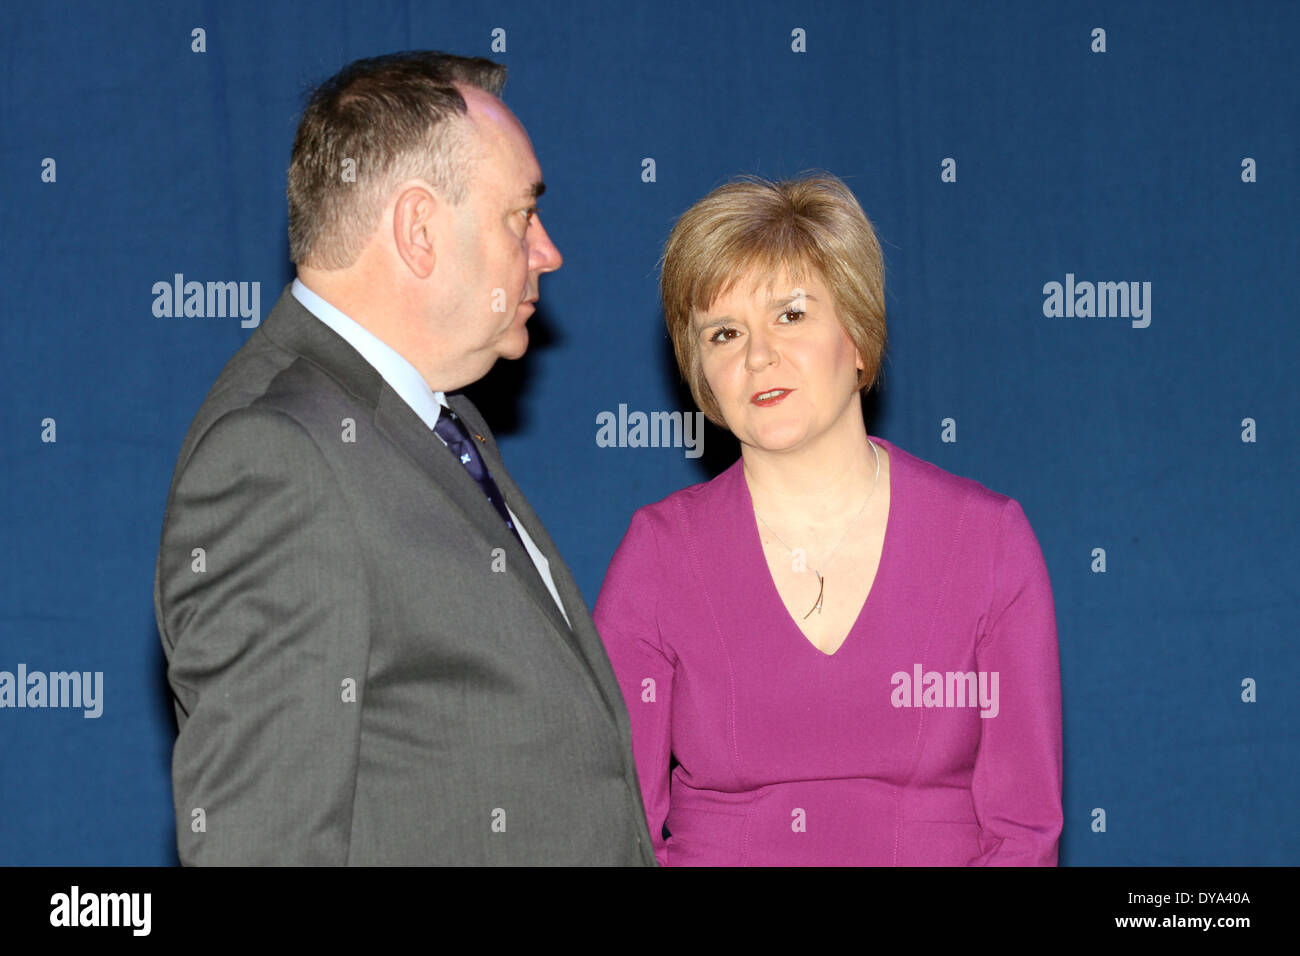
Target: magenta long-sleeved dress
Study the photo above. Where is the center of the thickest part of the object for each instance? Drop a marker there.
(902, 748)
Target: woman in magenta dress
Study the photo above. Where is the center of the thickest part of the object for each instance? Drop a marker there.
(834, 653)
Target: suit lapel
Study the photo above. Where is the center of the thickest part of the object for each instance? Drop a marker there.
(292, 327)
(408, 431)
(583, 634)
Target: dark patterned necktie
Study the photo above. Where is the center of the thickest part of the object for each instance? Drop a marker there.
(450, 430)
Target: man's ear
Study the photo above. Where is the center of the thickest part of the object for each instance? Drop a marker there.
(413, 225)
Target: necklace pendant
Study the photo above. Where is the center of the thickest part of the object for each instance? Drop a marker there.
(821, 591)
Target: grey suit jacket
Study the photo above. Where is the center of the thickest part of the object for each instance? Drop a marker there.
(367, 667)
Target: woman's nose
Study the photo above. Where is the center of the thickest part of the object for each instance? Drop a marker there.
(760, 352)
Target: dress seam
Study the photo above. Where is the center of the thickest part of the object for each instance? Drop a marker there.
(929, 640)
(689, 538)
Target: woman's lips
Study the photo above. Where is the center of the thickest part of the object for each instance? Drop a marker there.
(770, 396)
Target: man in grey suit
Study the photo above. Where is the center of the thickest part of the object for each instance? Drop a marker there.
(376, 653)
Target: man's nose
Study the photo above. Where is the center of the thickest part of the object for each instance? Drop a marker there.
(543, 256)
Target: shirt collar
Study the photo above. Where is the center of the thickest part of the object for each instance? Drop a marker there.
(400, 374)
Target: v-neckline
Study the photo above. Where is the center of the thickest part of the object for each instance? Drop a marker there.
(774, 593)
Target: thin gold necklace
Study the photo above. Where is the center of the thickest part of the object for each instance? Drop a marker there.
(821, 579)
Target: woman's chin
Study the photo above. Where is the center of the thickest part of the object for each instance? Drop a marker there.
(778, 438)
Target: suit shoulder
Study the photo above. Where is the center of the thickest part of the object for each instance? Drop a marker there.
(264, 376)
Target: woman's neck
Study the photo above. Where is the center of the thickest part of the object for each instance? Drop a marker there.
(821, 480)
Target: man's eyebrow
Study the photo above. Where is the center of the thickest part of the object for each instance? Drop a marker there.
(534, 192)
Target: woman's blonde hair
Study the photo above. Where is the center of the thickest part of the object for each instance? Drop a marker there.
(750, 224)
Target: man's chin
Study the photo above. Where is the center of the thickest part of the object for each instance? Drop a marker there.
(516, 344)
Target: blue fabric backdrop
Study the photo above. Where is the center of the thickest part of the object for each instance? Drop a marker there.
(1169, 158)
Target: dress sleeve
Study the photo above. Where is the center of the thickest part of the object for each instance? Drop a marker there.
(627, 618)
(1017, 780)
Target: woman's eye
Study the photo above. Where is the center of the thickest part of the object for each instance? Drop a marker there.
(797, 313)
(721, 335)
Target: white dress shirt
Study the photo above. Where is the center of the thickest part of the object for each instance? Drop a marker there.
(410, 385)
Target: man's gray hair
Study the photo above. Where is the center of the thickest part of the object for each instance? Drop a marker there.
(377, 123)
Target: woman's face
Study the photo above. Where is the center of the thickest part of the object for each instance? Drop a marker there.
(780, 364)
